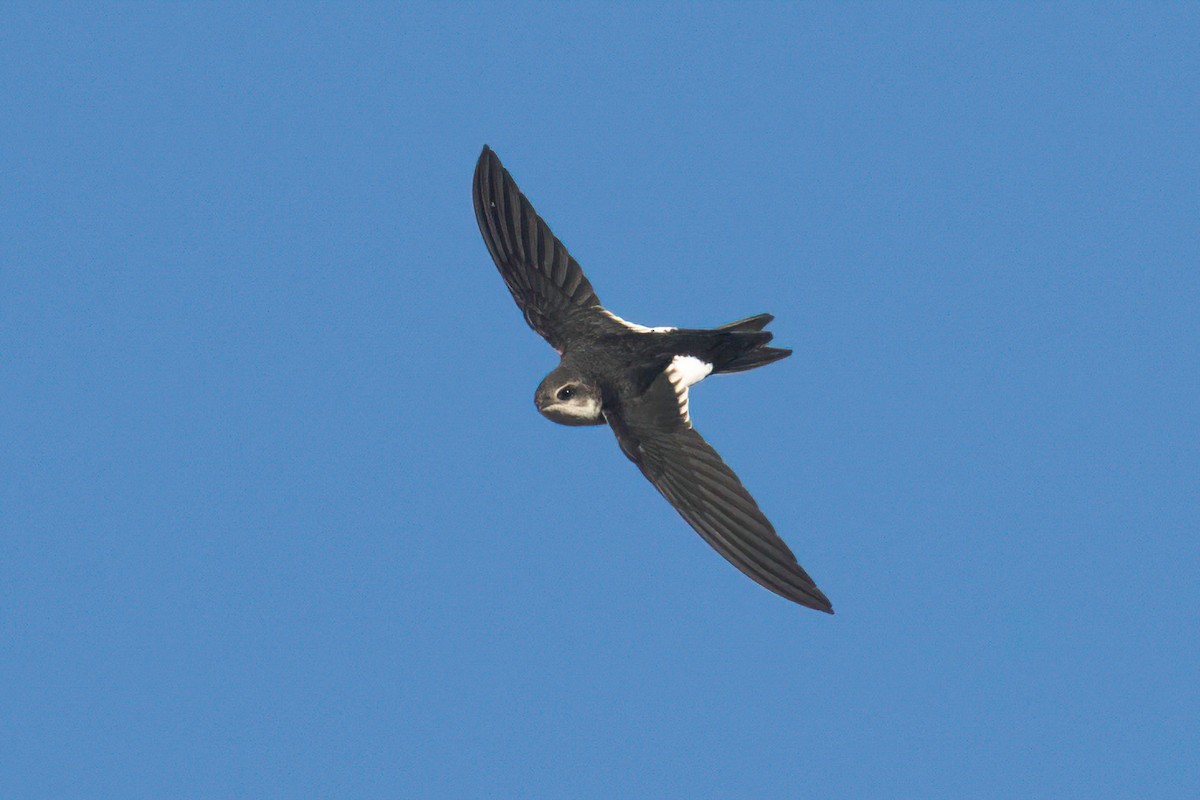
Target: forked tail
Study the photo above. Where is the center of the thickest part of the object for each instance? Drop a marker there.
(742, 345)
(758, 357)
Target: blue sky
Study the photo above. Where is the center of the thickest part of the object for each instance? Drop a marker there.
(280, 519)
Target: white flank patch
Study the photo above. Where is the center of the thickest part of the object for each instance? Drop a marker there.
(682, 372)
(633, 326)
(689, 370)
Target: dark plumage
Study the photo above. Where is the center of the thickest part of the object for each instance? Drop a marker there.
(636, 380)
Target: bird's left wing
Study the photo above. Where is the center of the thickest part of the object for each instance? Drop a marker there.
(656, 433)
(548, 285)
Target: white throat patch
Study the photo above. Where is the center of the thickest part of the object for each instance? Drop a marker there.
(577, 411)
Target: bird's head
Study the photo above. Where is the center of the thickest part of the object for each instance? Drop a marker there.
(569, 399)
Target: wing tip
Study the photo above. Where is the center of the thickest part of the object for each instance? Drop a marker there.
(483, 164)
(814, 599)
(807, 595)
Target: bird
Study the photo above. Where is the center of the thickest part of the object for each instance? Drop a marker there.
(636, 379)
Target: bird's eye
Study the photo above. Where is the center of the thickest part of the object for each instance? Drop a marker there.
(566, 393)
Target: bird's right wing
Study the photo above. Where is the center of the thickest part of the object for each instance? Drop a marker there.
(546, 282)
(656, 433)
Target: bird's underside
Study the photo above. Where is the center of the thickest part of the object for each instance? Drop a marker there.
(636, 379)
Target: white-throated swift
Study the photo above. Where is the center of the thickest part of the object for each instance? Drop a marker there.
(636, 379)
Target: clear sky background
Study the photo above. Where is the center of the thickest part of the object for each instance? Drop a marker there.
(279, 516)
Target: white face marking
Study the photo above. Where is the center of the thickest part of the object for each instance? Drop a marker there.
(582, 409)
(633, 326)
(682, 372)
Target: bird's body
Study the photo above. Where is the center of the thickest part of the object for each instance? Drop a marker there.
(636, 379)
(623, 360)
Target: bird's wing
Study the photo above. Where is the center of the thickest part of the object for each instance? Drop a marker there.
(656, 433)
(546, 282)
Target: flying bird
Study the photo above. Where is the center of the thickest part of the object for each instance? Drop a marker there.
(636, 380)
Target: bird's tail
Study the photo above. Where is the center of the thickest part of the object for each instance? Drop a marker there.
(758, 357)
(735, 347)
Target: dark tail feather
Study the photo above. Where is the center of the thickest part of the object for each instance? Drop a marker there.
(735, 347)
(755, 323)
(758, 357)
(754, 350)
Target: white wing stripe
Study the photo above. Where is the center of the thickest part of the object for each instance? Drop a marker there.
(633, 326)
